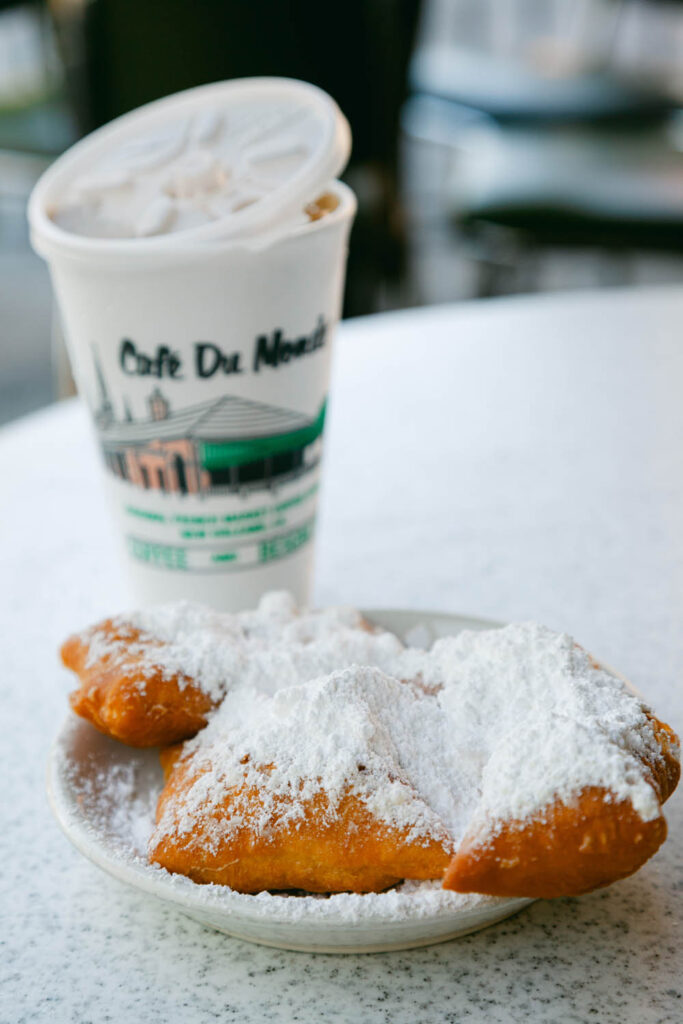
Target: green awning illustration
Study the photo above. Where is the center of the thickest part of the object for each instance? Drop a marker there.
(228, 431)
(223, 454)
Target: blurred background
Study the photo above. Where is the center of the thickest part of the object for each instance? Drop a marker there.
(500, 146)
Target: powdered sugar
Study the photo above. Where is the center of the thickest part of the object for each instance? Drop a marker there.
(273, 646)
(182, 640)
(409, 901)
(507, 721)
(354, 731)
(541, 719)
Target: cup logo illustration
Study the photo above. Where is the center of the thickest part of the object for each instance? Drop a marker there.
(261, 458)
(229, 444)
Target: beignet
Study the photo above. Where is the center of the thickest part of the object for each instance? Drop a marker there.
(328, 757)
(151, 678)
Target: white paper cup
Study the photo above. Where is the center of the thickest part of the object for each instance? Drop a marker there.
(206, 369)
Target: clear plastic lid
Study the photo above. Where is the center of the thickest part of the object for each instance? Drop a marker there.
(217, 162)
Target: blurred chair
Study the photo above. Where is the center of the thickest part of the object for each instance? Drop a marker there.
(529, 60)
(571, 207)
(554, 172)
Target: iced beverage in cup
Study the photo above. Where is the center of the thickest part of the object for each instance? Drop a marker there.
(197, 249)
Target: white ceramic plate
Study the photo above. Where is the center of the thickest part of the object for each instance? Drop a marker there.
(103, 795)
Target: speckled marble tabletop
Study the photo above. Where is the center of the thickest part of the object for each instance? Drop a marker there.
(514, 459)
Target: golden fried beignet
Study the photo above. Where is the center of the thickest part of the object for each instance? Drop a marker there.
(519, 800)
(346, 850)
(125, 695)
(151, 679)
(571, 847)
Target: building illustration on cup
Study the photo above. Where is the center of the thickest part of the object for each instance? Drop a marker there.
(224, 445)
